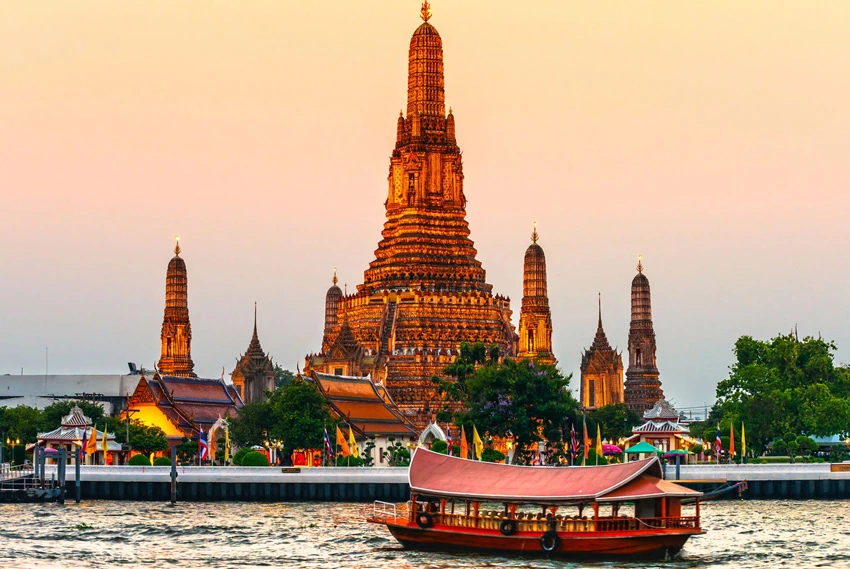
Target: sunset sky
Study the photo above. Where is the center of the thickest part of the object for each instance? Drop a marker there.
(713, 138)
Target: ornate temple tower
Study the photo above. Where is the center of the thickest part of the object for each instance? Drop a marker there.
(535, 319)
(642, 388)
(601, 372)
(425, 293)
(332, 300)
(254, 372)
(176, 352)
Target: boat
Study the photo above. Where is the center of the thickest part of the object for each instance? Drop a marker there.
(619, 510)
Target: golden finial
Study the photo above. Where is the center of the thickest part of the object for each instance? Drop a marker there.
(425, 13)
(450, 110)
(177, 245)
(640, 264)
(534, 235)
(335, 280)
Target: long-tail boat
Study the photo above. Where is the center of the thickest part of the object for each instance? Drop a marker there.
(613, 510)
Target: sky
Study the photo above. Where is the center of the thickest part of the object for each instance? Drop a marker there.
(711, 138)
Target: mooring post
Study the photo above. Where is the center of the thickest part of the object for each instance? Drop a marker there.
(63, 455)
(77, 458)
(35, 468)
(173, 475)
(43, 458)
(678, 462)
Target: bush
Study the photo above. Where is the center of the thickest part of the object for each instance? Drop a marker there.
(240, 454)
(591, 459)
(254, 458)
(349, 461)
(162, 461)
(140, 460)
(440, 446)
(492, 455)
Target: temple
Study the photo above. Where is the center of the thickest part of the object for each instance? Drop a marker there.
(535, 319)
(601, 371)
(425, 292)
(176, 351)
(254, 372)
(642, 387)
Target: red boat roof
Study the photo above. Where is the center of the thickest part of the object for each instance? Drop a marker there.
(444, 476)
(646, 486)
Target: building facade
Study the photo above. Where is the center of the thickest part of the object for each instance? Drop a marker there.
(601, 372)
(643, 386)
(535, 319)
(253, 375)
(425, 292)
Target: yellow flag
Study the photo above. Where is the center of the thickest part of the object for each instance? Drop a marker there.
(477, 443)
(743, 441)
(355, 452)
(104, 445)
(226, 444)
(342, 446)
(599, 451)
(464, 446)
(152, 459)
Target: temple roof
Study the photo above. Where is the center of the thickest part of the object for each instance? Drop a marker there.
(600, 349)
(662, 409)
(75, 418)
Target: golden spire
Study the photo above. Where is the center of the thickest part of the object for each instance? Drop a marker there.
(425, 13)
(640, 264)
(534, 235)
(177, 245)
(335, 280)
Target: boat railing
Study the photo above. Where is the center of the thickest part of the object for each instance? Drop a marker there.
(19, 471)
(528, 522)
(641, 524)
(384, 510)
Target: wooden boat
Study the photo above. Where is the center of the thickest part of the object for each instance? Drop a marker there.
(465, 505)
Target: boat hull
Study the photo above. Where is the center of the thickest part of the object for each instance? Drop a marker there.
(569, 544)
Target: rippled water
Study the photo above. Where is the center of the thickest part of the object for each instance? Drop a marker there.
(223, 535)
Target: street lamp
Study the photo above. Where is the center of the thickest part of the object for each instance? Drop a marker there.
(13, 444)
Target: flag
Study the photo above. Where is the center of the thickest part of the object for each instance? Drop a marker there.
(152, 459)
(91, 446)
(718, 444)
(585, 441)
(341, 444)
(743, 440)
(104, 445)
(731, 441)
(83, 444)
(464, 446)
(226, 443)
(599, 451)
(328, 447)
(573, 444)
(203, 449)
(355, 452)
(449, 439)
(213, 444)
(477, 443)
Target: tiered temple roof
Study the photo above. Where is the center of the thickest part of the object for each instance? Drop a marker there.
(176, 335)
(642, 386)
(535, 318)
(601, 371)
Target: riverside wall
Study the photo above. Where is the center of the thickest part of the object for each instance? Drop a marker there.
(233, 483)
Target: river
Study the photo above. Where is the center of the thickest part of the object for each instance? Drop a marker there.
(100, 534)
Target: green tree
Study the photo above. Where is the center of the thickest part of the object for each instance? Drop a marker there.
(786, 385)
(300, 415)
(440, 446)
(615, 421)
(252, 425)
(396, 454)
(282, 376)
(187, 450)
(22, 423)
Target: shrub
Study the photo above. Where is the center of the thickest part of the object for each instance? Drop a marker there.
(440, 446)
(140, 460)
(492, 455)
(591, 458)
(254, 458)
(162, 461)
(240, 454)
(349, 461)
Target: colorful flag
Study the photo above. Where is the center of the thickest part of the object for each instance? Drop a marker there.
(718, 444)
(599, 451)
(477, 443)
(151, 458)
(743, 441)
(203, 449)
(449, 439)
(226, 443)
(464, 446)
(342, 446)
(328, 448)
(83, 444)
(585, 441)
(104, 445)
(731, 441)
(573, 444)
(355, 452)
(213, 444)
(91, 446)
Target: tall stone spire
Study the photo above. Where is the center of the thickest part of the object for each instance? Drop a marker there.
(254, 371)
(332, 301)
(601, 371)
(176, 336)
(642, 388)
(535, 319)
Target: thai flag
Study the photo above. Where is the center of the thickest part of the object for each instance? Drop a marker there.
(449, 439)
(83, 447)
(328, 446)
(573, 444)
(718, 444)
(203, 449)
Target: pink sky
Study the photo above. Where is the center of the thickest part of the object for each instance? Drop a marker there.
(713, 138)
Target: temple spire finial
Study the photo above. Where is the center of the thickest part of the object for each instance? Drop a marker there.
(335, 280)
(640, 264)
(534, 235)
(600, 310)
(425, 12)
(177, 245)
(255, 318)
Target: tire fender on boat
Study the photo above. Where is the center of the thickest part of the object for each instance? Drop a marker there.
(508, 527)
(549, 541)
(424, 520)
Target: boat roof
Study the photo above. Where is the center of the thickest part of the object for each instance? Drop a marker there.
(443, 476)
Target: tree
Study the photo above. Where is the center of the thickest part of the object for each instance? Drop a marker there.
(252, 425)
(186, 451)
(615, 421)
(282, 376)
(21, 422)
(396, 454)
(785, 385)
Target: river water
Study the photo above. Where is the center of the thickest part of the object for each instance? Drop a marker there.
(99, 534)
